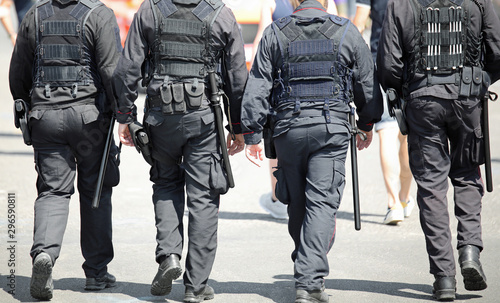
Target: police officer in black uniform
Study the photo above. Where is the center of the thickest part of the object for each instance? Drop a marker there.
(186, 40)
(441, 56)
(308, 68)
(62, 64)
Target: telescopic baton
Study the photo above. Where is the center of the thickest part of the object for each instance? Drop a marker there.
(486, 134)
(354, 168)
(104, 164)
(215, 101)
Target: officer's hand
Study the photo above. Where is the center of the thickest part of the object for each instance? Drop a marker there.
(362, 144)
(234, 147)
(124, 135)
(254, 152)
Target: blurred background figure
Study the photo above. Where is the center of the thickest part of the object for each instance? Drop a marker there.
(22, 7)
(6, 19)
(273, 10)
(397, 174)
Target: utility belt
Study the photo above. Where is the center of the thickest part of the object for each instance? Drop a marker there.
(179, 98)
(470, 81)
(311, 112)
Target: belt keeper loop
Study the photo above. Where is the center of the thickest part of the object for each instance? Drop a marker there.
(326, 110)
(47, 91)
(74, 90)
(296, 109)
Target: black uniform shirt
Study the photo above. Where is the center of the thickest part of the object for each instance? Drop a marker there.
(102, 34)
(226, 36)
(354, 53)
(397, 38)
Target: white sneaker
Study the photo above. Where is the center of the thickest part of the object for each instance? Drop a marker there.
(275, 208)
(394, 215)
(408, 207)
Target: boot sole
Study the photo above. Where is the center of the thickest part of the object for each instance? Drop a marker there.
(163, 286)
(42, 271)
(100, 287)
(473, 280)
(444, 295)
(199, 299)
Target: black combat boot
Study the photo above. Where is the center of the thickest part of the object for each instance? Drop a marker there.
(41, 285)
(472, 271)
(444, 288)
(169, 270)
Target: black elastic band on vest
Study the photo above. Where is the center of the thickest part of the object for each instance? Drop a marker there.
(60, 28)
(182, 27)
(63, 51)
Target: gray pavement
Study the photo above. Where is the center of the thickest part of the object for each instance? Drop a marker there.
(377, 264)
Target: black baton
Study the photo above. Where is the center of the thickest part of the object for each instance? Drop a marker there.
(104, 164)
(354, 168)
(215, 101)
(486, 134)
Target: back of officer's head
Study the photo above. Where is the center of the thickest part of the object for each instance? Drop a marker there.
(322, 2)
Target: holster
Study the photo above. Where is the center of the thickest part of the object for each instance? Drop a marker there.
(267, 132)
(21, 110)
(396, 106)
(141, 140)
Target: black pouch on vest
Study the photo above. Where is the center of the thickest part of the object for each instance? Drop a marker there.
(477, 81)
(178, 94)
(166, 97)
(194, 94)
(465, 84)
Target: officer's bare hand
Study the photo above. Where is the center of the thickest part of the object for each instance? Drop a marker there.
(124, 135)
(254, 153)
(362, 144)
(234, 147)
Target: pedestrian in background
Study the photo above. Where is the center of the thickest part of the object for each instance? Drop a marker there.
(399, 204)
(305, 85)
(61, 67)
(441, 56)
(188, 40)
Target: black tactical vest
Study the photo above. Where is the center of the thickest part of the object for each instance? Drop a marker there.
(181, 49)
(62, 55)
(312, 72)
(447, 51)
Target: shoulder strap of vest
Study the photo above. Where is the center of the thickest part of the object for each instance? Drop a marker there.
(331, 25)
(278, 26)
(209, 58)
(44, 9)
(166, 7)
(42, 2)
(206, 7)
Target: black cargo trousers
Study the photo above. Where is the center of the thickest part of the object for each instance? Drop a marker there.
(187, 160)
(311, 180)
(69, 141)
(445, 141)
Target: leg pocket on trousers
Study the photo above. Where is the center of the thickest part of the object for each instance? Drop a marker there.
(338, 182)
(218, 177)
(41, 178)
(477, 147)
(281, 190)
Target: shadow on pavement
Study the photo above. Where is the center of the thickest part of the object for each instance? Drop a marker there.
(396, 289)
